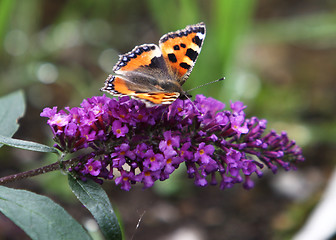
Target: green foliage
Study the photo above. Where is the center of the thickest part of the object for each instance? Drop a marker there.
(6, 7)
(94, 198)
(230, 22)
(27, 145)
(38, 216)
(12, 107)
(184, 12)
(317, 29)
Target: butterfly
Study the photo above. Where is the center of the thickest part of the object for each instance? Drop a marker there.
(155, 74)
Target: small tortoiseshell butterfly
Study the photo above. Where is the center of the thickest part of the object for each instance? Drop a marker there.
(153, 74)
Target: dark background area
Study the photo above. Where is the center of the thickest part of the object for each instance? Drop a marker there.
(278, 57)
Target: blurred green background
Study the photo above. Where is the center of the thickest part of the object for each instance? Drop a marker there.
(278, 57)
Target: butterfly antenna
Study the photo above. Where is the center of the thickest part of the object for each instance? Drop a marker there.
(186, 92)
(218, 80)
(186, 95)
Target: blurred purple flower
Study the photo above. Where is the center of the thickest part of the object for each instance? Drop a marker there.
(130, 143)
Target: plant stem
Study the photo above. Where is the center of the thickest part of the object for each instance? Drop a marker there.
(37, 171)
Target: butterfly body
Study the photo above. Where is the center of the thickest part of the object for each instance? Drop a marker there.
(155, 74)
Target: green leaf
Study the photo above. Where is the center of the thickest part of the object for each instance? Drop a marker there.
(94, 198)
(6, 13)
(12, 107)
(27, 145)
(39, 216)
(230, 22)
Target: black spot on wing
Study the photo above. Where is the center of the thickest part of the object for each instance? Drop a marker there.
(197, 41)
(182, 45)
(191, 54)
(156, 62)
(184, 65)
(172, 57)
(176, 47)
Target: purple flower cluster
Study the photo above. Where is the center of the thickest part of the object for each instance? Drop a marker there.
(130, 143)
